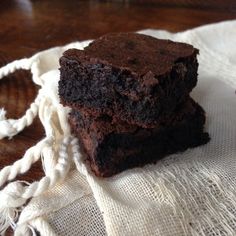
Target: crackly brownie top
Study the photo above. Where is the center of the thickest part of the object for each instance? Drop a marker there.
(137, 52)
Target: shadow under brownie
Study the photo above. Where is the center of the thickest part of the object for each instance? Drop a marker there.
(114, 147)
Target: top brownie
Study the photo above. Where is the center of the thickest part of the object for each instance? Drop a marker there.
(128, 76)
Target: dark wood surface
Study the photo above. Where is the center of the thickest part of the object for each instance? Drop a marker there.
(27, 27)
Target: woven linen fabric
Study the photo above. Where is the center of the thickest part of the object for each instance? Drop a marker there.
(190, 193)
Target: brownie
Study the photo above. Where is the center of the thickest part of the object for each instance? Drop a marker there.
(113, 147)
(129, 77)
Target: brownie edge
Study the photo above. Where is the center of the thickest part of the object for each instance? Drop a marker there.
(112, 148)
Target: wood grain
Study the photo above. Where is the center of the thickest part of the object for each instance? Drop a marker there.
(27, 27)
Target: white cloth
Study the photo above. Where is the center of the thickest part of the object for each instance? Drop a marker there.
(192, 193)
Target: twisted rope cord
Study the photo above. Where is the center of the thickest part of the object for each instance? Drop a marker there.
(37, 188)
(57, 175)
(21, 166)
(24, 63)
(11, 127)
(15, 195)
(76, 154)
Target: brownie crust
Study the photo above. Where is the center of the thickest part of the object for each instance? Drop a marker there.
(113, 147)
(130, 77)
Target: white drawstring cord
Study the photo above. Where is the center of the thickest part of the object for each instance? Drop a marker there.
(15, 194)
(54, 149)
(11, 127)
(24, 64)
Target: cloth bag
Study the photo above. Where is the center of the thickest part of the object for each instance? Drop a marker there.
(191, 193)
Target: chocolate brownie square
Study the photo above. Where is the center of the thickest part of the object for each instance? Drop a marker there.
(129, 77)
(113, 147)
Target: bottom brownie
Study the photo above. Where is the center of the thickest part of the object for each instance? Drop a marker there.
(112, 148)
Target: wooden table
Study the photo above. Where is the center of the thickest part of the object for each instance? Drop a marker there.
(27, 27)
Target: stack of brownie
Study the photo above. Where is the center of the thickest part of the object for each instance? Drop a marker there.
(129, 95)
